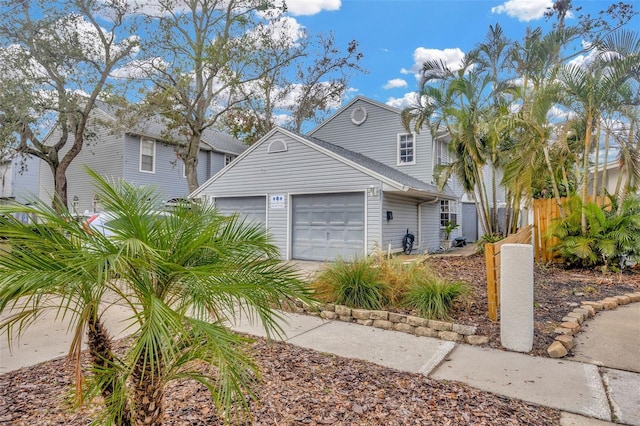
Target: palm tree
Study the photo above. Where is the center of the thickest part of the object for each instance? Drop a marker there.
(455, 102)
(182, 275)
(599, 87)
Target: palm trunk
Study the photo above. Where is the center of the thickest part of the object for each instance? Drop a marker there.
(585, 173)
(148, 392)
(554, 183)
(603, 187)
(103, 360)
(596, 167)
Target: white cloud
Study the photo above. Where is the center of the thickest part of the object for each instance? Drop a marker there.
(523, 10)
(395, 83)
(138, 69)
(312, 7)
(408, 99)
(451, 57)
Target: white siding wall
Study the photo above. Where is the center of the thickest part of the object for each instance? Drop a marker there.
(299, 170)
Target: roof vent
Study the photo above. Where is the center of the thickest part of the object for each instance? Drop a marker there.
(277, 145)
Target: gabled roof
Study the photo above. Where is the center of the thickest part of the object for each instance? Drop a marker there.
(156, 128)
(394, 179)
(349, 104)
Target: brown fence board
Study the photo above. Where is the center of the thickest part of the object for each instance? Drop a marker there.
(492, 259)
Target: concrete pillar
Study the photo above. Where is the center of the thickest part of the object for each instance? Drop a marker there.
(516, 297)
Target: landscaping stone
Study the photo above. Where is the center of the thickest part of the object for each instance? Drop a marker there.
(623, 300)
(598, 306)
(610, 303)
(403, 327)
(440, 325)
(450, 336)
(465, 330)
(368, 322)
(379, 315)
(592, 311)
(360, 314)
(426, 332)
(573, 326)
(476, 340)
(571, 319)
(635, 297)
(417, 321)
(578, 316)
(582, 314)
(567, 341)
(557, 350)
(393, 317)
(563, 330)
(345, 318)
(330, 315)
(343, 311)
(585, 312)
(384, 324)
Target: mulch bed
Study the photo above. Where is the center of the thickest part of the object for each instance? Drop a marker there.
(304, 387)
(298, 387)
(556, 291)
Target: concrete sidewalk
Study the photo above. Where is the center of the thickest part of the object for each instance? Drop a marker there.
(585, 393)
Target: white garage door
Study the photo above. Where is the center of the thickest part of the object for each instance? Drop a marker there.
(328, 226)
(251, 208)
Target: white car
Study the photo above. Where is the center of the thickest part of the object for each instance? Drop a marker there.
(106, 223)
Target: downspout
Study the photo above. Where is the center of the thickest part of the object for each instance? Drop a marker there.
(435, 200)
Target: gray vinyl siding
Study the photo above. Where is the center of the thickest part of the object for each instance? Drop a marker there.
(429, 226)
(168, 176)
(103, 153)
(405, 215)
(377, 138)
(20, 178)
(299, 170)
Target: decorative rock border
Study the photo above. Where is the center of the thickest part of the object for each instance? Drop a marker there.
(571, 323)
(394, 321)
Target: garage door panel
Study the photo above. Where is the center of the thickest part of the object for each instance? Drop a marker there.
(327, 226)
(252, 209)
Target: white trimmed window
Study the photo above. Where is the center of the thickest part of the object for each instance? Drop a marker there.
(448, 212)
(406, 149)
(147, 155)
(228, 158)
(441, 153)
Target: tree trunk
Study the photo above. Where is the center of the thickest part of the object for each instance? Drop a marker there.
(191, 161)
(554, 183)
(585, 172)
(103, 360)
(148, 392)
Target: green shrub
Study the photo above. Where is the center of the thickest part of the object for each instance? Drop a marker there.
(612, 236)
(434, 297)
(356, 284)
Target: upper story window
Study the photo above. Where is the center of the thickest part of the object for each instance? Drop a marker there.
(448, 212)
(147, 155)
(406, 149)
(441, 153)
(228, 158)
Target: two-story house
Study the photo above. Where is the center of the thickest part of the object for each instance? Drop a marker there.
(139, 154)
(357, 182)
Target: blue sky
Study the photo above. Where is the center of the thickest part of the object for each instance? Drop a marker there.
(396, 36)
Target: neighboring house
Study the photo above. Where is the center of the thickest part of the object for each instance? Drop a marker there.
(138, 155)
(612, 176)
(355, 183)
(19, 177)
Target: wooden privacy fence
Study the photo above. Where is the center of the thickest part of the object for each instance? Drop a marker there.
(492, 259)
(545, 211)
